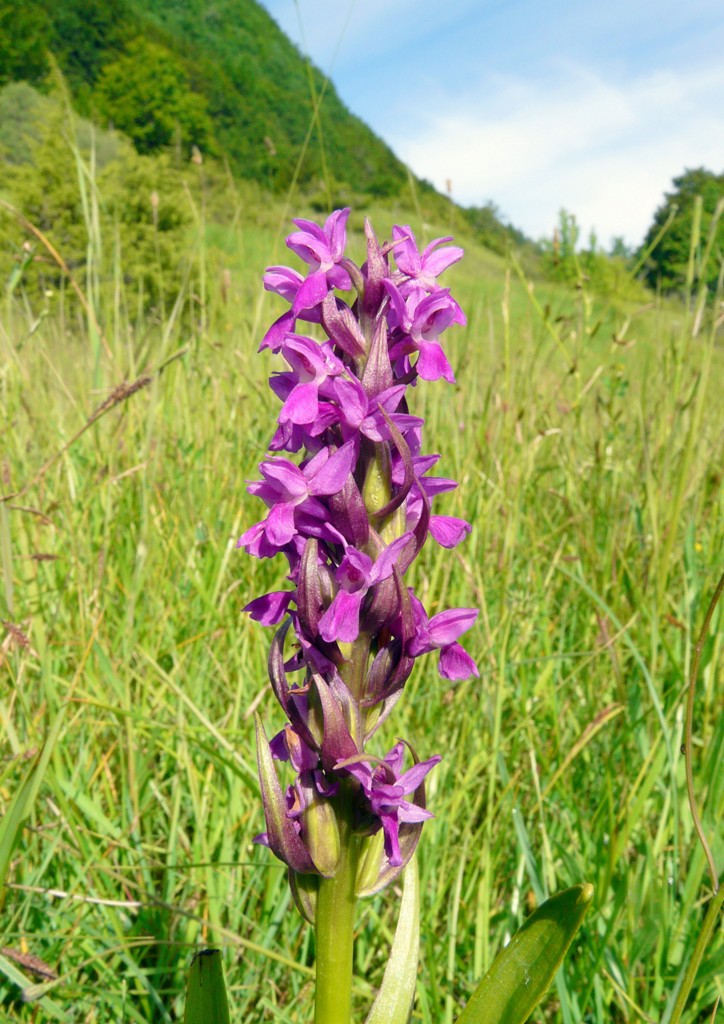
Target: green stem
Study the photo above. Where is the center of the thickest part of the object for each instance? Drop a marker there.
(334, 928)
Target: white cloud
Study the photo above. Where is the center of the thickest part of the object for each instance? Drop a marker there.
(606, 151)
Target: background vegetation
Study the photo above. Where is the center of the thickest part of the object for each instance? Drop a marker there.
(586, 432)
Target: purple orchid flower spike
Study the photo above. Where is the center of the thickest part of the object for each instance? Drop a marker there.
(350, 514)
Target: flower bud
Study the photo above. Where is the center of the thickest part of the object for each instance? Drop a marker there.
(370, 862)
(319, 830)
(304, 893)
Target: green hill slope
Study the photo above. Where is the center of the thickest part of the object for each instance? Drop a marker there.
(222, 77)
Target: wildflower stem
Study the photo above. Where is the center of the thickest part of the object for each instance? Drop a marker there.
(354, 670)
(334, 928)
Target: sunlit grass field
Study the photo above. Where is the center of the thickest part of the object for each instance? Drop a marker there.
(587, 440)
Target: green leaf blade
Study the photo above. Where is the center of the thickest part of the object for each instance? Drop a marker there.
(524, 970)
(206, 1001)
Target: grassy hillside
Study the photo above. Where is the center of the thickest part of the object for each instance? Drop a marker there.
(586, 439)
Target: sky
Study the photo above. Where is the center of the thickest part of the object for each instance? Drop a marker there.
(534, 105)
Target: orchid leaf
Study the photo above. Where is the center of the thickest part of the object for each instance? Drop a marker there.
(393, 1004)
(523, 971)
(206, 1001)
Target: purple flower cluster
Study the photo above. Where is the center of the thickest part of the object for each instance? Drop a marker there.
(350, 515)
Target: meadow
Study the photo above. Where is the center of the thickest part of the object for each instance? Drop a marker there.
(586, 436)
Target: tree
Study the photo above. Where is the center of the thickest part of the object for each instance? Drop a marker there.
(23, 28)
(145, 94)
(667, 262)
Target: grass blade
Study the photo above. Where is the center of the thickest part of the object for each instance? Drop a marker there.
(22, 802)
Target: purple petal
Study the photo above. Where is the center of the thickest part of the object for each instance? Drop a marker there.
(432, 363)
(302, 405)
(282, 383)
(271, 608)
(277, 332)
(354, 570)
(251, 536)
(397, 302)
(414, 776)
(311, 227)
(449, 625)
(456, 663)
(288, 477)
(407, 256)
(309, 359)
(448, 531)
(435, 485)
(331, 477)
(392, 839)
(341, 619)
(433, 314)
(382, 568)
(280, 524)
(310, 244)
(311, 292)
(352, 400)
(411, 813)
(335, 228)
(284, 281)
(338, 277)
(396, 757)
(434, 263)
(358, 769)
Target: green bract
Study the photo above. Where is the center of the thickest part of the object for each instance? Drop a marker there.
(393, 1004)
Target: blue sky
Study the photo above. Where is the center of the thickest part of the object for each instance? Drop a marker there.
(535, 105)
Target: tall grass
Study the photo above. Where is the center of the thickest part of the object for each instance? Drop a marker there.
(587, 441)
